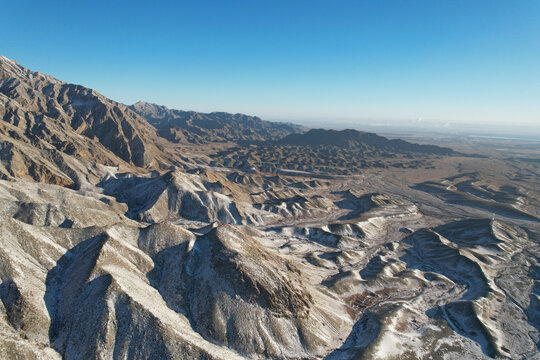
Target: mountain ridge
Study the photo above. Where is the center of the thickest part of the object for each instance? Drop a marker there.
(351, 138)
(52, 126)
(196, 127)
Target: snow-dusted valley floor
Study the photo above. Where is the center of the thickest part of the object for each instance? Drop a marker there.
(221, 264)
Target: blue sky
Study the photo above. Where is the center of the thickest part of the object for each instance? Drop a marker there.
(446, 61)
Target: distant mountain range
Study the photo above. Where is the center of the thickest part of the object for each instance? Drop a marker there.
(61, 133)
(359, 139)
(55, 132)
(199, 128)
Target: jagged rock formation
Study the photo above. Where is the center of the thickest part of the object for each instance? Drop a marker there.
(199, 128)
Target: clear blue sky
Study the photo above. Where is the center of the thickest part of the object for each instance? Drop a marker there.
(439, 60)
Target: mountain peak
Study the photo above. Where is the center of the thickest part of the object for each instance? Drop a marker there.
(11, 69)
(3, 58)
(147, 106)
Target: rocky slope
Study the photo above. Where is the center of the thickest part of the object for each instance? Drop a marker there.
(52, 131)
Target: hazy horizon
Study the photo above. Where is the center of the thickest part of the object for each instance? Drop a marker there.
(438, 65)
(529, 132)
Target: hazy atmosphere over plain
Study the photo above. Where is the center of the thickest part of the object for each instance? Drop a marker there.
(348, 62)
